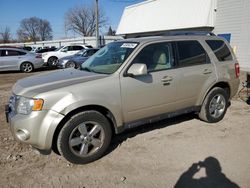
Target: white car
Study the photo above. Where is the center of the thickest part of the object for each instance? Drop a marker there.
(50, 58)
(18, 59)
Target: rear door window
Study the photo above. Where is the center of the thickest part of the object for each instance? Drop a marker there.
(220, 50)
(76, 48)
(190, 53)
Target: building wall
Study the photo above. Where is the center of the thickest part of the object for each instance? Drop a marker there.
(234, 17)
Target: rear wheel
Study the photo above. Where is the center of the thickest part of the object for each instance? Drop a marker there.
(85, 137)
(26, 67)
(214, 106)
(52, 61)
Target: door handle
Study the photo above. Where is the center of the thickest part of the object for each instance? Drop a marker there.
(207, 71)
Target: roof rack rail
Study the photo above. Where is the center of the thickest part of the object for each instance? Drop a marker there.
(176, 33)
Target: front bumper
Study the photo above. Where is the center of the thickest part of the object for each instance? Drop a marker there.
(36, 129)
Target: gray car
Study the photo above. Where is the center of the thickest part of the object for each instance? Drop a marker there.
(125, 84)
(75, 61)
(18, 59)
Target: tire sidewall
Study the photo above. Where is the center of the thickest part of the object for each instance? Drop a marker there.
(68, 63)
(210, 96)
(63, 138)
(51, 60)
(21, 67)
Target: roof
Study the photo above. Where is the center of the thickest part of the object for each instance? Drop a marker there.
(165, 15)
(178, 37)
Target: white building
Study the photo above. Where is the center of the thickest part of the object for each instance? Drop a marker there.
(227, 18)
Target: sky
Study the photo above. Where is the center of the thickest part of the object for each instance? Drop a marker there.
(13, 11)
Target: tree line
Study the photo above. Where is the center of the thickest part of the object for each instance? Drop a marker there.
(79, 19)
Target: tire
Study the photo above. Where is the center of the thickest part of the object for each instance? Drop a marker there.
(26, 67)
(70, 64)
(85, 137)
(214, 106)
(52, 61)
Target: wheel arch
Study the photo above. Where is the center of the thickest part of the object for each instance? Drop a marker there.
(25, 62)
(223, 85)
(104, 111)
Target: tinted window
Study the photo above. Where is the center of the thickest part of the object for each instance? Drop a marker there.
(220, 50)
(156, 56)
(77, 48)
(12, 53)
(21, 53)
(190, 53)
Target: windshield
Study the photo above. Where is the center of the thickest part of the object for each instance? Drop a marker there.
(81, 52)
(59, 48)
(108, 59)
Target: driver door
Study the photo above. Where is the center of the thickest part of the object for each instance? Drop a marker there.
(155, 93)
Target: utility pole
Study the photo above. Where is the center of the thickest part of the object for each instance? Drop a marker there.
(97, 23)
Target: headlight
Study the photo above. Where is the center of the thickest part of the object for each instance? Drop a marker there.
(27, 105)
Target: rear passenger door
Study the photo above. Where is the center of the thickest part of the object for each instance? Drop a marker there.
(198, 73)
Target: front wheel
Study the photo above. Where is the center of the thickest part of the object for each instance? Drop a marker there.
(214, 106)
(26, 67)
(85, 137)
(70, 64)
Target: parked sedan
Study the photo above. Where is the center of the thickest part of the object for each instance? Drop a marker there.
(18, 59)
(76, 60)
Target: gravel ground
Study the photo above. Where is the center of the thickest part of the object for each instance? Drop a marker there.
(178, 152)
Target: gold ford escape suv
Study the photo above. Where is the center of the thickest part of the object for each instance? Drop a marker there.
(125, 84)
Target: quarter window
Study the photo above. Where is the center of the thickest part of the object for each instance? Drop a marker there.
(156, 56)
(191, 53)
(220, 50)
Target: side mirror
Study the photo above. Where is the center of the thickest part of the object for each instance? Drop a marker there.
(137, 69)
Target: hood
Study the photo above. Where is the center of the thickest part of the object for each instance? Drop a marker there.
(34, 85)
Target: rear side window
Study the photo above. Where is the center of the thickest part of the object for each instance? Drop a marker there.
(190, 53)
(12, 53)
(74, 48)
(220, 50)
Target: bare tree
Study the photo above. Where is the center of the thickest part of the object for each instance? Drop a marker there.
(111, 32)
(34, 29)
(5, 35)
(44, 30)
(81, 19)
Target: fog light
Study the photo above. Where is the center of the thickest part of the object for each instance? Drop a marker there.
(22, 134)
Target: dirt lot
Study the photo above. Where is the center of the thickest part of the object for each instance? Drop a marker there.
(156, 155)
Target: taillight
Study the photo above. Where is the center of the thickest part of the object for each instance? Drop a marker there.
(38, 55)
(237, 70)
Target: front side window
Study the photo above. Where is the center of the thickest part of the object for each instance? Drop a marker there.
(190, 53)
(220, 50)
(108, 59)
(156, 56)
